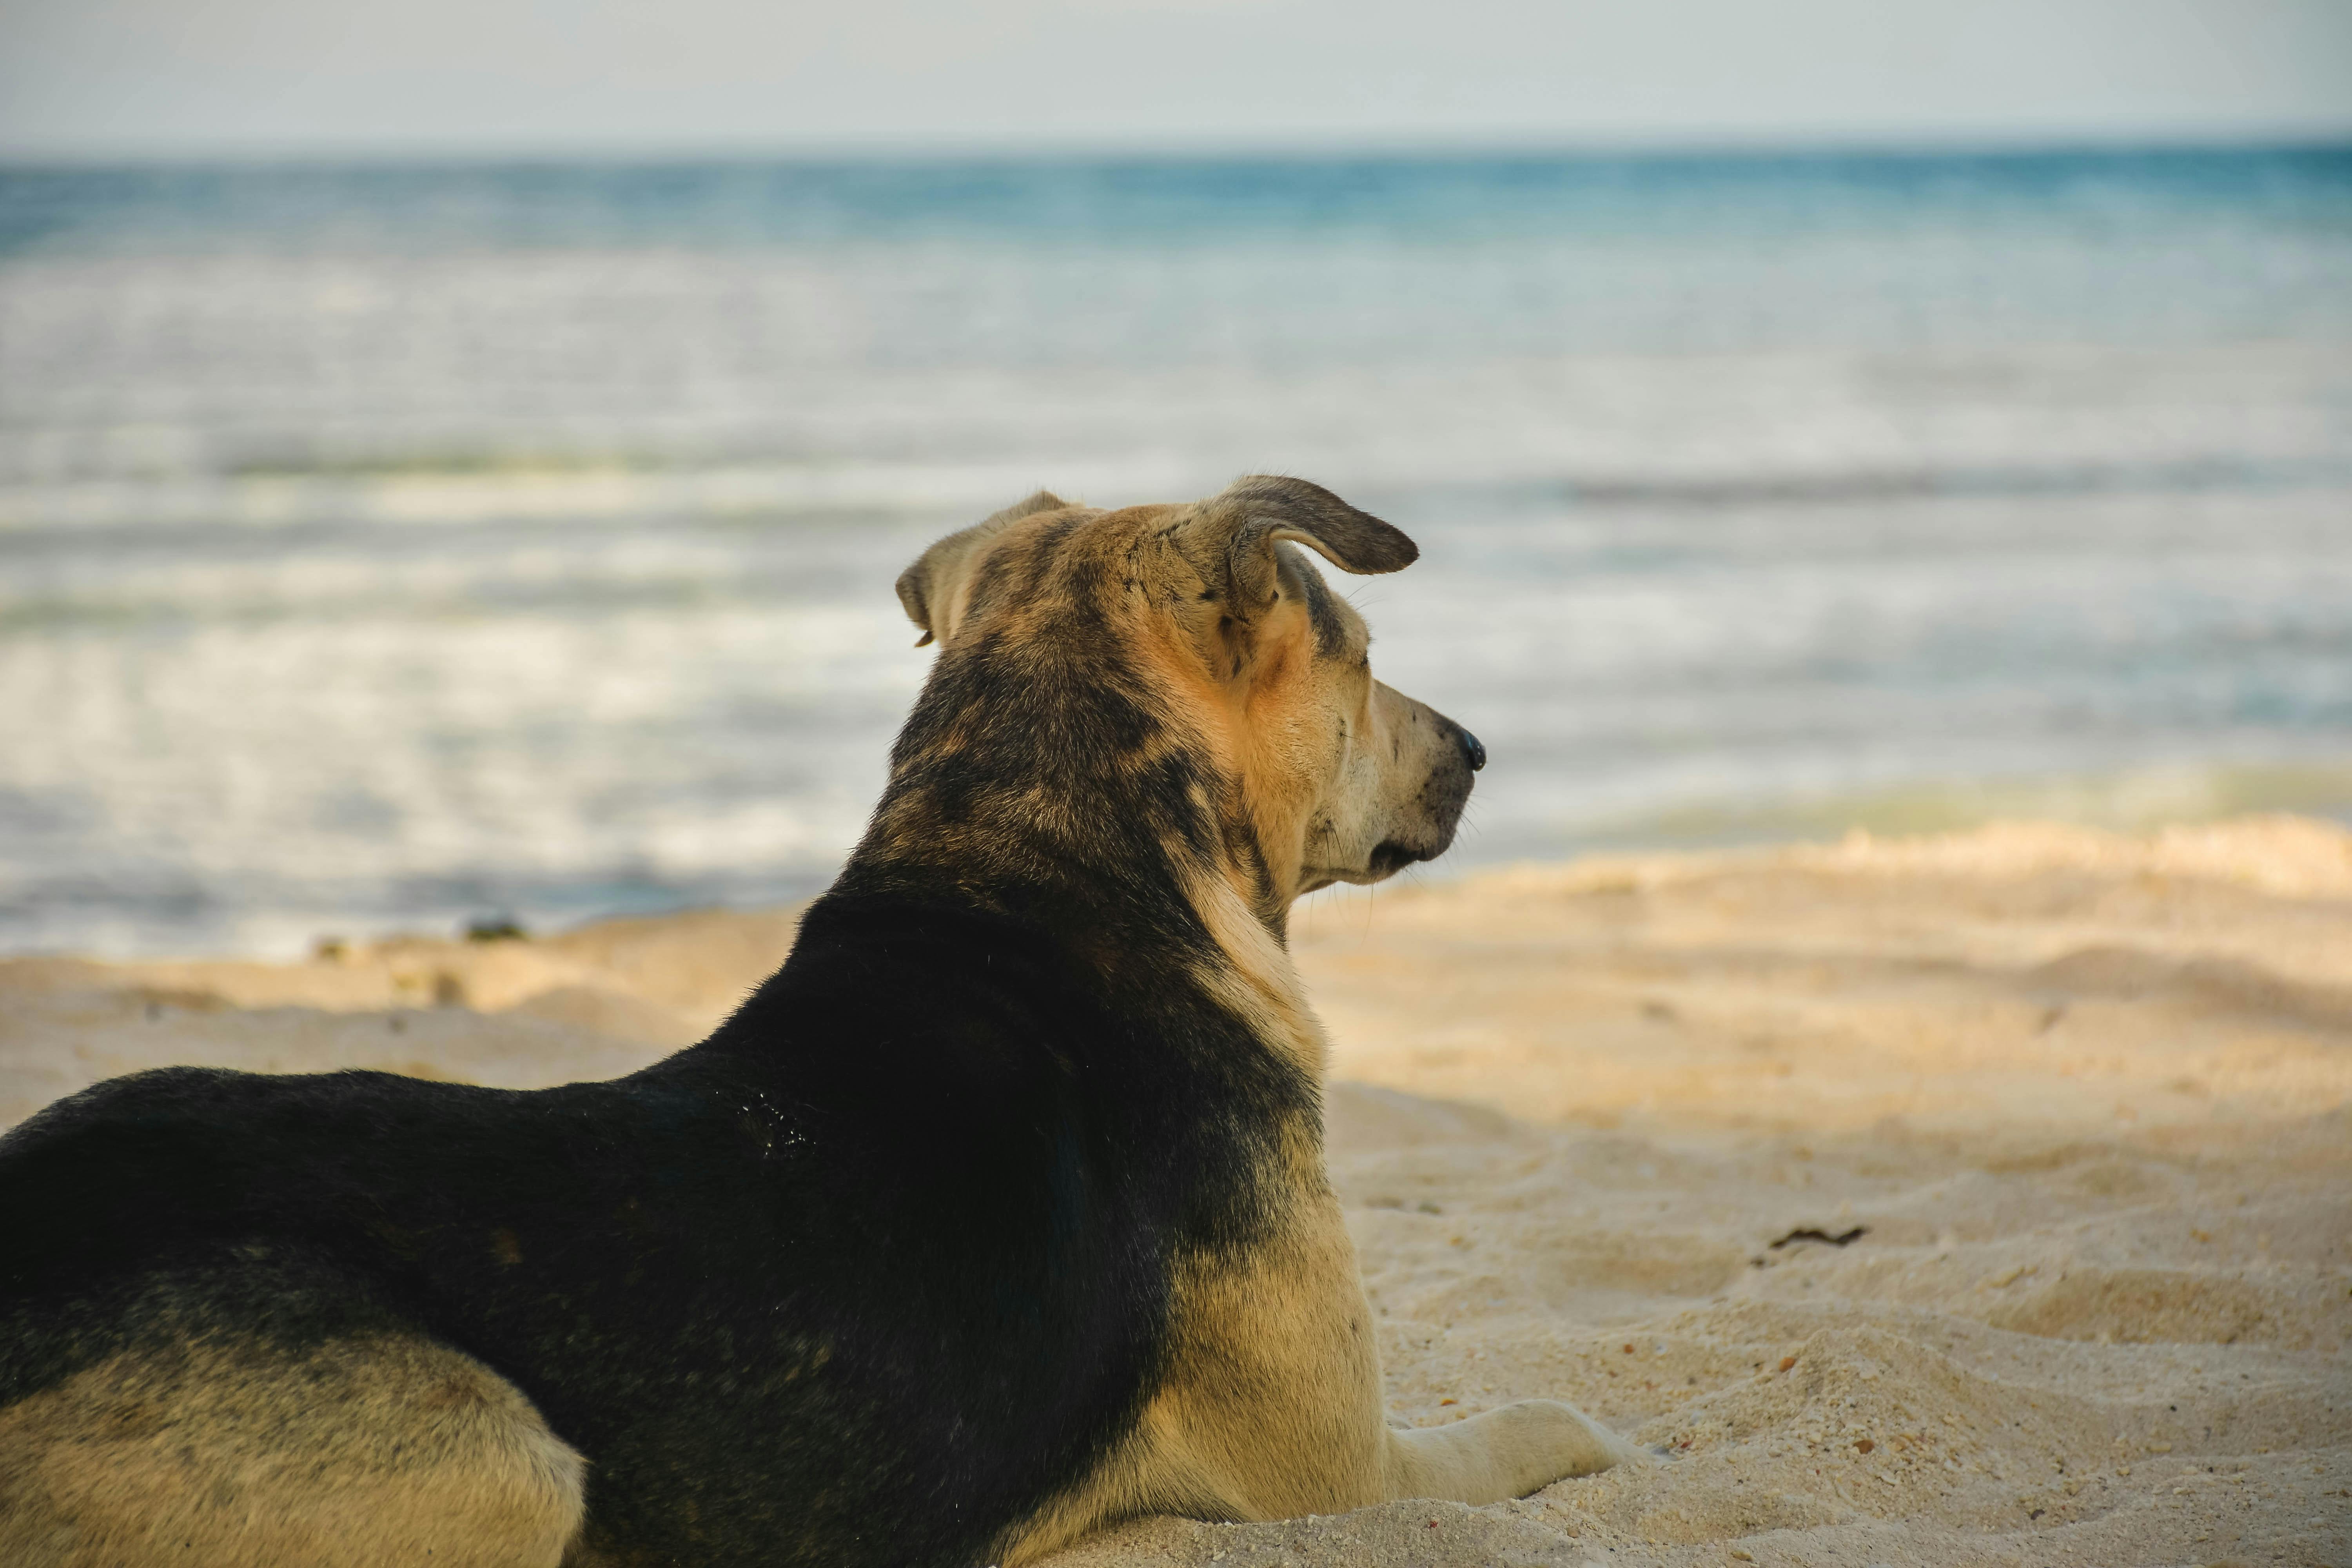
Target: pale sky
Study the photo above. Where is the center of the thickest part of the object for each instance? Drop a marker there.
(198, 78)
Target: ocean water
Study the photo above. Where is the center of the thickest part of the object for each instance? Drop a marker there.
(381, 547)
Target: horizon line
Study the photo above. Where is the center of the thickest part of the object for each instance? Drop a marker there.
(1143, 150)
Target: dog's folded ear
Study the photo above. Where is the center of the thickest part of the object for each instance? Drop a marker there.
(931, 589)
(1241, 522)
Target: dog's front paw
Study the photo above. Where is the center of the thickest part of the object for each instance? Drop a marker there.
(1505, 1453)
(1551, 1441)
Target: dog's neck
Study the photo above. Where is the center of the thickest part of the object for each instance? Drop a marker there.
(1158, 922)
(1050, 780)
(1257, 979)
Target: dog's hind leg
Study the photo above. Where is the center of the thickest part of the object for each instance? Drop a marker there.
(389, 1448)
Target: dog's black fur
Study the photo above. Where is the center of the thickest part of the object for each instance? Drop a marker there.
(866, 1277)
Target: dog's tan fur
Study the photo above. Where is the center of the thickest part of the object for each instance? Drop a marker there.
(372, 1451)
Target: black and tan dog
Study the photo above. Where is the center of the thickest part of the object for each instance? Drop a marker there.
(999, 1213)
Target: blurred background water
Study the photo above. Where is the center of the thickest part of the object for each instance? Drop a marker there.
(386, 546)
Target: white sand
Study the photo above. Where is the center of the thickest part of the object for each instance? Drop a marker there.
(2090, 1099)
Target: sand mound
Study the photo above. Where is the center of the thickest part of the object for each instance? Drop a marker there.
(1980, 1199)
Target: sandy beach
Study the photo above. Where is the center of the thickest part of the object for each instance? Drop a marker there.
(1976, 1199)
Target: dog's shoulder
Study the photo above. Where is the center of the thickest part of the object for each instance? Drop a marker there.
(939, 1020)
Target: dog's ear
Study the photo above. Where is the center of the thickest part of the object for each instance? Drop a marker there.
(931, 589)
(1236, 529)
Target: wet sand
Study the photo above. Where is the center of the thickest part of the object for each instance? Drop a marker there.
(1982, 1199)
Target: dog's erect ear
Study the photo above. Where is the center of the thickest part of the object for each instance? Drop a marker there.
(931, 589)
(1241, 524)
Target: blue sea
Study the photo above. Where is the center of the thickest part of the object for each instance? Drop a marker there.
(386, 547)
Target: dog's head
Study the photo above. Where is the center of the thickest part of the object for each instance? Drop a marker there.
(1178, 675)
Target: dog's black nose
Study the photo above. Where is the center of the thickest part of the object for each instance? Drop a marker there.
(1471, 752)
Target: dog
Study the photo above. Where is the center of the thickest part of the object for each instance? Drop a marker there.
(998, 1214)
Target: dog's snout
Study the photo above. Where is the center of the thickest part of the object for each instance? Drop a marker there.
(1471, 752)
